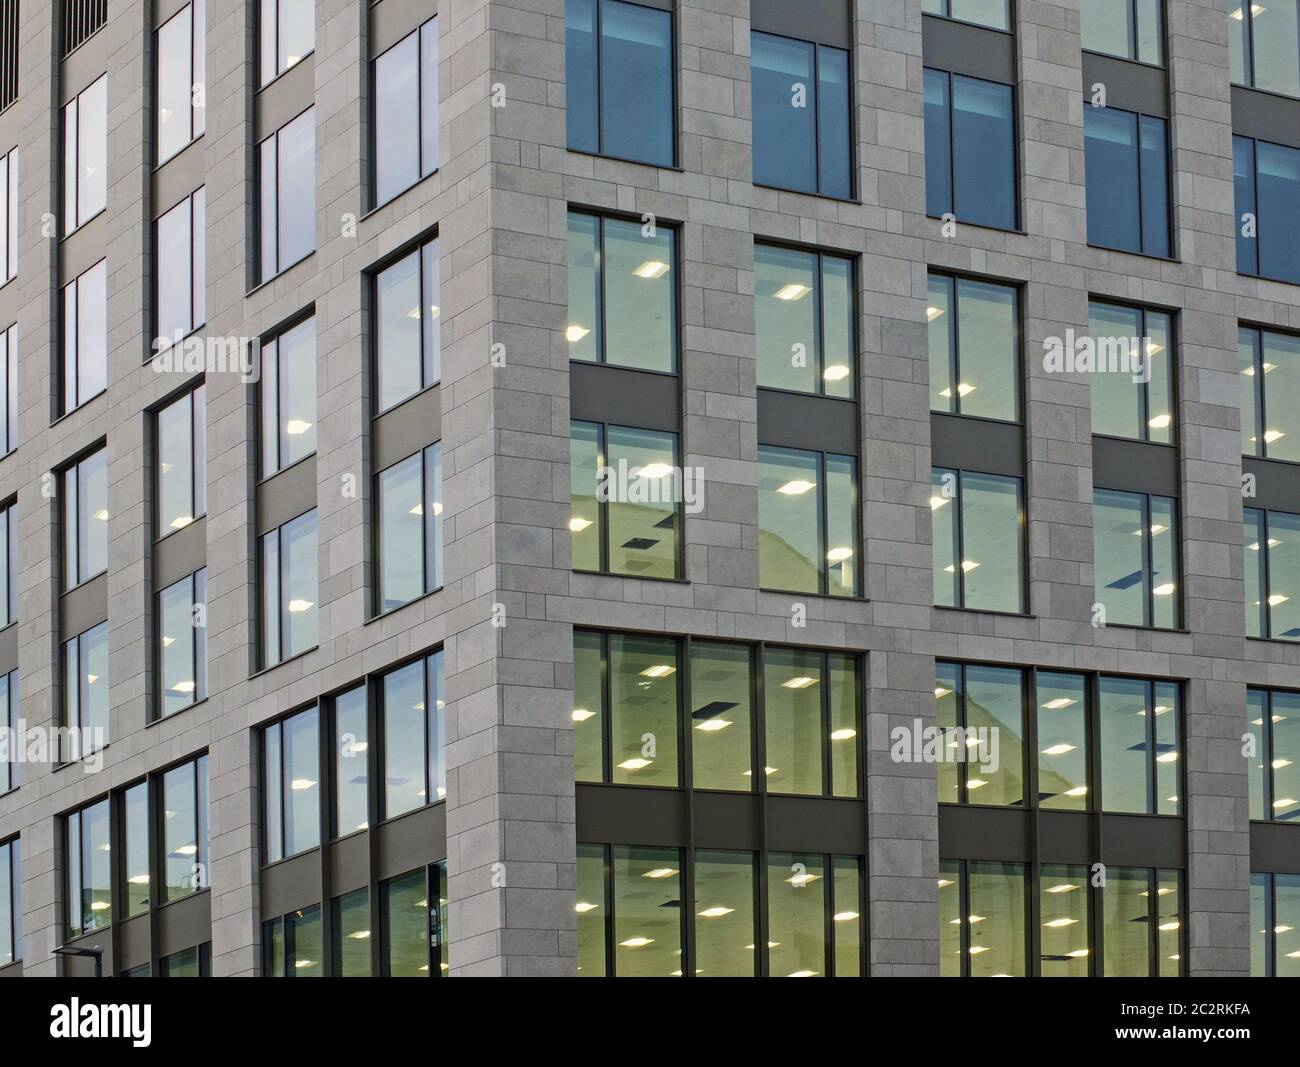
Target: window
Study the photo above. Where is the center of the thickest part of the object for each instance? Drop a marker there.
(807, 522)
(1141, 923)
(181, 49)
(1270, 394)
(185, 829)
(182, 272)
(288, 34)
(407, 337)
(88, 856)
(293, 946)
(1264, 45)
(11, 721)
(970, 150)
(1267, 182)
(619, 77)
(182, 462)
(287, 558)
(288, 397)
(1064, 727)
(85, 155)
(1272, 554)
(409, 505)
(413, 909)
(85, 690)
(8, 390)
(1273, 718)
(804, 321)
(622, 293)
(1135, 553)
(352, 934)
(1123, 405)
(85, 527)
(1125, 156)
(413, 716)
(991, 13)
(801, 116)
(984, 705)
(974, 348)
(624, 491)
(1275, 925)
(188, 963)
(982, 919)
(1129, 29)
(11, 902)
(135, 816)
(9, 564)
(287, 164)
(82, 19)
(1064, 921)
(9, 215)
(632, 918)
(182, 643)
(8, 53)
(1139, 745)
(352, 766)
(406, 112)
(629, 692)
(85, 337)
(291, 785)
(978, 541)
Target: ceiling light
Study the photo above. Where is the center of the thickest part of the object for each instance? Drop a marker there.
(168, 642)
(574, 334)
(1058, 703)
(1077, 791)
(184, 687)
(577, 524)
(1285, 802)
(660, 872)
(793, 291)
(1057, 924)
(1160, 422)
(932, 313)
(655, 470)
(975, 783)
(1063, 887)
(940, 691)
(1164, 590)
(181, 521)
(835, 372)
(300, 784)
(801, 682)
(712, 726)
(139, 879)
(936, 502)
(659, 670)
(797, 487)
(359, 935)
(1058, 750)
(1167, 757)
(1078, 953)
(1276, 599)
(839, 555)
(1273, 435)
(635, 764)
(802, 974)
(102, 514)
(295, 427)
(845, 916)
(582, 907)
(843, 735)
(299, 606)
(944, 883)
(582, 714)
(651, 268)
(716, 912)
(1167, 927)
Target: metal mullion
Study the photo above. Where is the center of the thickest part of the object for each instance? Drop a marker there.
(686, 778)
(963, 915)
(374, 744)
(607, 710)
(1029, 704)
(1153, 920)
(326, 746)
(828, 915)
(828, 781)
(1257, 363)
(1149, 696)
(759, 774)
(1268, 580)
(607, 863)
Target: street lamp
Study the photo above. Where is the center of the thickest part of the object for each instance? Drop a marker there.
(94, 952)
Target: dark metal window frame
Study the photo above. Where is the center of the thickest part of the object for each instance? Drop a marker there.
(1266, 735)
(9, 15)
(1258, 334)
(76, 222)
(286, 785)
(267, 341)
(1171, 227)
(265, 78)
(373, 66)
(13, 893)
(259, 213)
(69, 544)
(959, 524)
(195, 264)
(197, 656)
(1162, 33)
(74, 715)
(10, 713)
(198, 443)
(1145, 310)
(9, 208)
(433, 581)
(9, 549)
(82, 19)
(1257, 248)
(282, 606)
(418, 247)
(1148, 563)
(185, 12)
(435, 919)
(953, 280)
(68, 364)
(947, 17)
(9, 417)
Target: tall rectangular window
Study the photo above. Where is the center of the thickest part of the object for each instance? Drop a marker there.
(1275, 926)
(409, 511)
(85, 337)
(413, 910)
(85, 519)
(406, 112)
(1273, 718)
(1135, 549)
(352, 765)
(85, 690)
(408, 320)
(1063, 731)
(85, 155)
(88, 868)
(995, 14)
(9, 564)
(137, 867)
(625, 517)
(974, 336)
(1270, 393)
(9, 389)
(11, 902)
(181, 459)
(289, 577)
(1264, 45)
(622, 293)
(1271, 540)
(1132, 397)
(981, 702)
(10, 719)
(807, 522)
(619, 80)
(287, 166)
(288, 397)
(291, 785)
(287, 29)
(8, 215)
(293, 945)
(413, 716)
(180, 305)
(804, 321)
(982, 919)
(185, 844)
(181, 75)
(182, 643)
(1126, 159)
(1139, 736)
(1141, 921)
(1266, 178)
(802, 108)
(1129, 29)
(970, 150)
(978, 541)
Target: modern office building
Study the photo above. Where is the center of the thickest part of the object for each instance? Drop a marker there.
(672, 487)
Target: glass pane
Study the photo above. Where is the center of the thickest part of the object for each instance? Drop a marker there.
(1237, 42)
(1158, 346)
(1155, 187)
(950, 919)
(92, 332)
(273, 945)
(839, 333)
(297, 35)
(721, 741)
(1243, 184)
(997, 920)
(1111, 162)
(1285, 756)
(844, 724)
(352, 744)
(984, 152)
(1169, 923)
(1150, 44)
(636, 92)
(1106, 27)
(1276, 35)
(1260, 769)
(841, 526)
(942, 350)
(786, 316)
(397, 119)
(400, 507)
(352, 938)
(92, 150)
(180, 833)
(298, 565)
(1118, 556)
(642, 502)
(1063, 906)
(725, 934)
(995, 720)
(269, 207)
(1250, 388)
(784, 103)
(297, 189)
(270, 578)
(1278, 190)
(1281, 365)
(943, 516)
(431, 311)
(938, 145)
(175, 313)
(177, 631)
(1125, 761)
(430, 156)
(991, 13)
(304, 946)
(792, 689)
(644, 715)
(1286, 924)
(1164, 562)
(789, 526)
(585, 521)
(987, 353)
(93, 683)
(1126, 923)
(135, 805)
(640, 330)
(847, 917)
(297, 392)
(947, 697)
(834, 148)
(589, 709)
(302, 771)
(6, 907)
(273, 793)
(404, 739)
(580, 73)
(591, 911)
(583, 332)
(96, 854)
(991, 543)
(434, 686)
(1116, 397)
(796, 906)
(1260, 940)
(397, 325)
(647, 912)
(406, 926)
(175, 466)
(1062, 741)
(184, 964)
(1167, 715)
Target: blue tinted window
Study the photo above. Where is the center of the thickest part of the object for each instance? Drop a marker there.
(619, 71)
(1277, 188)
(1127, 181)
(833, 122)
(1155, 187)
(1243, 176)
(938, 145)
(969, 134)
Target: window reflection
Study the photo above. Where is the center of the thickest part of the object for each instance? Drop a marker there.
(1127, 181)
(1135, 553)
(808, 521)
(1063, 918)
(804, 321)
(1062, 741)
(978, 541)
(647, 912)
(970, 150)
(1121, 406)
(974, 348)
(725, 934)
(1129, 29)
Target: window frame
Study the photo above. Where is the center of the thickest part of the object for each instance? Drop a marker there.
(1144, 311)
(9, 563)
(9, 436)
(263, 80)
(198, 458)
(260, 214)
(13, 891)
(1171, 232)
(70, 541)
(70, 364)
(264, 661)
(1022, 529)
(9, 210)
(1162, 34)
(196, 202)
(373, 73)
(269, 340)
(954, 282)
(947, 5)
(426, 244)
(71, 176)
(198, 649)
(11, 769)
(434, 578)
(196, 10)
(1148, 562)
